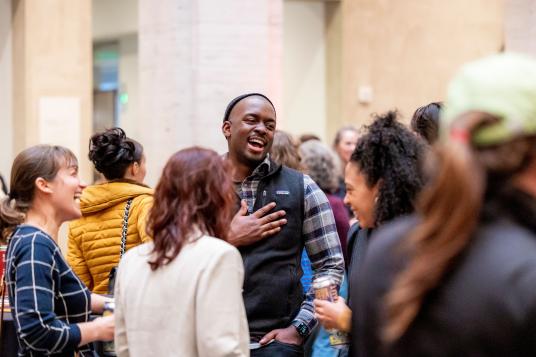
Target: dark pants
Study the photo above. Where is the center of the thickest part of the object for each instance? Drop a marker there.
(277, 349)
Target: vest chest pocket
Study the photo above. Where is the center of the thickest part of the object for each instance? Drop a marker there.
(284, 200)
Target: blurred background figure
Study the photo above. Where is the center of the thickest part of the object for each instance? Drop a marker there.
(95, 240)
(322, 165)
(306, 137)
(344, 144)
(425, 121)
(284, 150)
(458, 278)
(382, 180)
(181, 294)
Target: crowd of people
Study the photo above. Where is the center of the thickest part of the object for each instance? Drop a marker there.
(426, 232)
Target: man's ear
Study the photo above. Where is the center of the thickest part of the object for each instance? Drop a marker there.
(226, 129)
(43, 185)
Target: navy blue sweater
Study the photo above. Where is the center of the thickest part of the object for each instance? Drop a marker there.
(47, 298)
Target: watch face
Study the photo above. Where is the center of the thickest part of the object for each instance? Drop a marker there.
(302, 330)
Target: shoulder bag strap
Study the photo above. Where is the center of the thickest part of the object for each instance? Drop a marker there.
(125, 228)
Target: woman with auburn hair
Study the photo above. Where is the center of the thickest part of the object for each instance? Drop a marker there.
(181, 295)
(458, 278)
(50, 305)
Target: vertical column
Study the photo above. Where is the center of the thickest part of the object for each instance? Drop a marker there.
(52, 75)
(6, 88)
(195, 56)
(520, 26)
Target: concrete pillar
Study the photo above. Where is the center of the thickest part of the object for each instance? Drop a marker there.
(401, 54)
(520, 26)
(52, 75)
(6, 88)
(195, 56)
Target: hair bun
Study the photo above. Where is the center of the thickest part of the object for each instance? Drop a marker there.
(112, 152)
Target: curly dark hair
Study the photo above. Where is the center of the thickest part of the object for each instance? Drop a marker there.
(391, 154)
(112, 152)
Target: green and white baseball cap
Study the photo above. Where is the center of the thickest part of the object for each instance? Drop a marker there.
(503, 85)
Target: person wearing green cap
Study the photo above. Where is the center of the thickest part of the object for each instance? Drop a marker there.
(458, 278)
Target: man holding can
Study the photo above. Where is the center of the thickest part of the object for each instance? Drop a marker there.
(281, 212)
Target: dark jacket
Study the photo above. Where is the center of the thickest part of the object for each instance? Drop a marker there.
(272, 290)
(485, 306)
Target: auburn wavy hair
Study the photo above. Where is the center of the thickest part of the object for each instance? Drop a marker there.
(194, 197)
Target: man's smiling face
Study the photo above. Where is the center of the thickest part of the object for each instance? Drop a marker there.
(250, 130)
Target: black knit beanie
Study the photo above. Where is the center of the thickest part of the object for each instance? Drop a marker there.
(235, 101)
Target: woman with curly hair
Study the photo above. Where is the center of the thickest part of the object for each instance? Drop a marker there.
(382, 180)
(111, 210)
(458, 278)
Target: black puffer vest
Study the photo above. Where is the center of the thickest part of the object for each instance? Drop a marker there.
(272, 290)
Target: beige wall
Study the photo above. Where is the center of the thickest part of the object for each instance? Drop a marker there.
(520, 26)
(304, 68)
(333, 28)
(6, 87)
(114, 18)
(406, 51)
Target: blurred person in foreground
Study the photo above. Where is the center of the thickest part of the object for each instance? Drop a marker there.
(50, 305)
(383, 178)
(282, 211)
(458, 278)
(425, 121)
(181, 295)
(95, 240)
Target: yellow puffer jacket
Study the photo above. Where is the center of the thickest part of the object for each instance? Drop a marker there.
(95, 239)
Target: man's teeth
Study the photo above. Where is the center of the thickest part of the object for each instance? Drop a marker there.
(256, 141)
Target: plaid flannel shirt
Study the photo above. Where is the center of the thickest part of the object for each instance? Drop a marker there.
(320, 234)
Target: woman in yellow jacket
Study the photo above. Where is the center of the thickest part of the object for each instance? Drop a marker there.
(95, 239)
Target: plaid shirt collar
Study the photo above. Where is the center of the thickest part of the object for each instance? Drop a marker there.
(260, 171)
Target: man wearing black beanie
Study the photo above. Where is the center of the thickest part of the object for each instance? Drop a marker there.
(281, 212)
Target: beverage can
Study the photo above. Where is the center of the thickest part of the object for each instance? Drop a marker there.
(325, 290)
(108, 347)
(109, 307)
